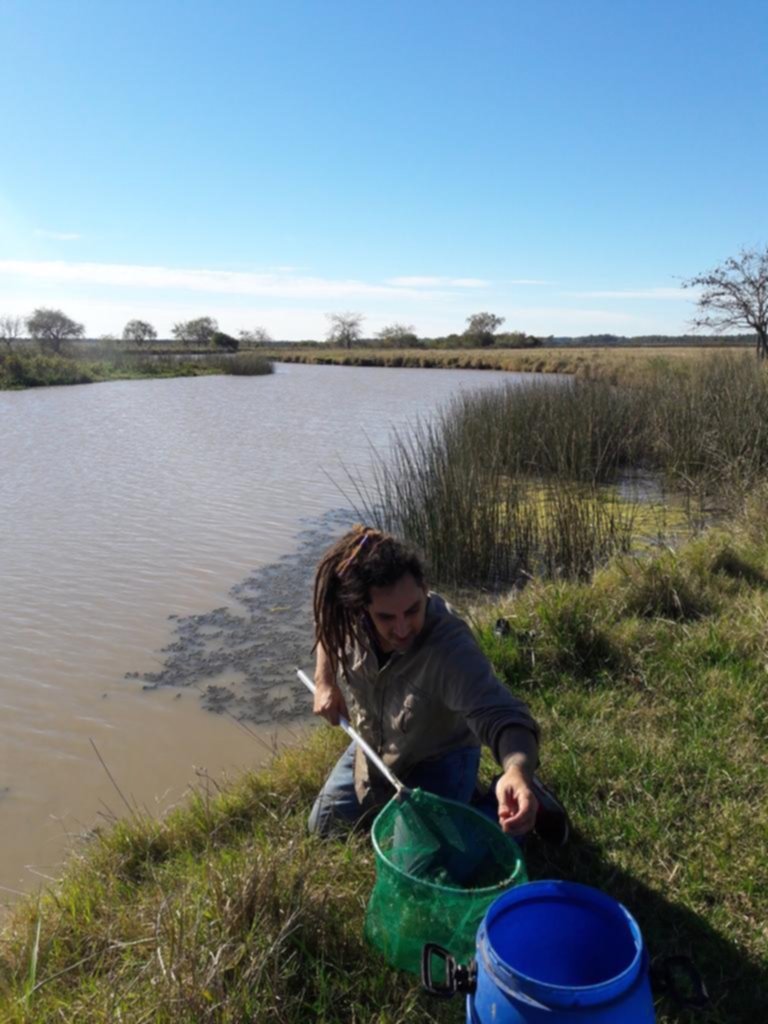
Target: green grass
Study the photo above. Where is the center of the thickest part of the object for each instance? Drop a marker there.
(650, 684)
(36, 369)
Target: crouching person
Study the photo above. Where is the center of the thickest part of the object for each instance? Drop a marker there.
(420, 692)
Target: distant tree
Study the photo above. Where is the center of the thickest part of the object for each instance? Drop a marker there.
(481, 328)
(345, 328)
(50, 328)
(225, 342)
(447, 341)
(516, 339)
(139, 332)
(196, 332)
(735, 294)
(398, 336)
(11, 330)
(258, 336)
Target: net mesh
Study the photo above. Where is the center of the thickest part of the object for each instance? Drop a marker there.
(439, 865)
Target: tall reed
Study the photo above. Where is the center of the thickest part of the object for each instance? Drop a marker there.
(707, 428)
(35, 369)
(240, 364)
(515, 481)
(479, 524)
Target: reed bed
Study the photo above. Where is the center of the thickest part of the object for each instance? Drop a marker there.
(241, 364)
(37, 369)
(32, 370)
(482, 526)
(522, 481)
(616, 365)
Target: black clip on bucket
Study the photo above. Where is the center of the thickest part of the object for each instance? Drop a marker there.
(458, 978)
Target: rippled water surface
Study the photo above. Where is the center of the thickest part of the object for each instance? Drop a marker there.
(125, 503)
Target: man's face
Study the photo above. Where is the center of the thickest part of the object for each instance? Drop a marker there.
(398, 613)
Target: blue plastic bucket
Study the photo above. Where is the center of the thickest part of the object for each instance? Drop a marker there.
(560, 953)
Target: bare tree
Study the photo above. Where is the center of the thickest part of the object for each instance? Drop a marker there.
(481, 327)
(50, 328)
(139, 332)
(397, 335)
(735, 294)
(258, 336)
(196, 332)
(11, 330)
(345, 328)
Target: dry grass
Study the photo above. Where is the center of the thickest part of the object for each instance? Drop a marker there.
(617, 365)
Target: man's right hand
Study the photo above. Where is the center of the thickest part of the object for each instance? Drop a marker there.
(329, 701)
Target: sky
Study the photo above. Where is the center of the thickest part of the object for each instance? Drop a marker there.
(564, 164)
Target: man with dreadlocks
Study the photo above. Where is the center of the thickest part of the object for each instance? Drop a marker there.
(422, 693)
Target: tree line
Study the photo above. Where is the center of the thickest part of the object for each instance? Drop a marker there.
(732, 296)
(346, 330)
(52, 329)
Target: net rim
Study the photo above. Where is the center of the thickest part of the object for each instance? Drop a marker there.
(459, 890)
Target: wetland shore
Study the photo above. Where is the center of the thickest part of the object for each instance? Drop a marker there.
(648, 677)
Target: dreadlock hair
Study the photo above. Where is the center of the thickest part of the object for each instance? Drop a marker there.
(362, 559)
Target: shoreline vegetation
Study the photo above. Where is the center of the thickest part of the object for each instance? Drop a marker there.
(27, 369)
(620, 364)
(647, 671)
(79, 362)
(544, 481)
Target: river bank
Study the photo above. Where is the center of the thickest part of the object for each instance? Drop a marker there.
(649, 686)
(36, 369)
(616, 365)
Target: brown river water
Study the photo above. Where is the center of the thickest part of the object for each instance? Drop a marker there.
(157, 540)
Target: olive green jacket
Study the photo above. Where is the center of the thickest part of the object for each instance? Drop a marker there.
(438, 696)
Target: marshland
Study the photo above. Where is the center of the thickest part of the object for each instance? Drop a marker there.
(30, 368)
(635, 629)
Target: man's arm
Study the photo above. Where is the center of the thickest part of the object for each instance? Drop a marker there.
(518, 750)
(500, 720)
(329, 700)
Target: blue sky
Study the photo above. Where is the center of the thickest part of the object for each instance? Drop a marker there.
(562, 163)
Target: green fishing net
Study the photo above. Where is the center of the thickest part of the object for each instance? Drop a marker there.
(439, 866)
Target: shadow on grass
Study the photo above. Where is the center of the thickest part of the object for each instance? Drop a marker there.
(737, 983)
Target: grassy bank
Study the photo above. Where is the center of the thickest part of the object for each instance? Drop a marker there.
(35, 369)
(615, 365)
(515, 482)
(650, 686)
(649, 682)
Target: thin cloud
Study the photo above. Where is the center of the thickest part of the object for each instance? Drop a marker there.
(634, 293)
(59, 236)
(557, 316)
(271, 284)
(438, 282)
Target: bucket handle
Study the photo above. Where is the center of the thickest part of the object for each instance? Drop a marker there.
(458, 978)
(667, 972)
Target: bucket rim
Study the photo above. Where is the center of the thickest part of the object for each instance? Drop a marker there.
(517, 983)
(500, 887)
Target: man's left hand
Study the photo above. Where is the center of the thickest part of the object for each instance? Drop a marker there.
(517, 803)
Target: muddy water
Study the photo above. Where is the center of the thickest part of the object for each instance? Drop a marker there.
(156, 539)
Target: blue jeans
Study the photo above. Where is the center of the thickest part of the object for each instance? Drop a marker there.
(453, 776)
